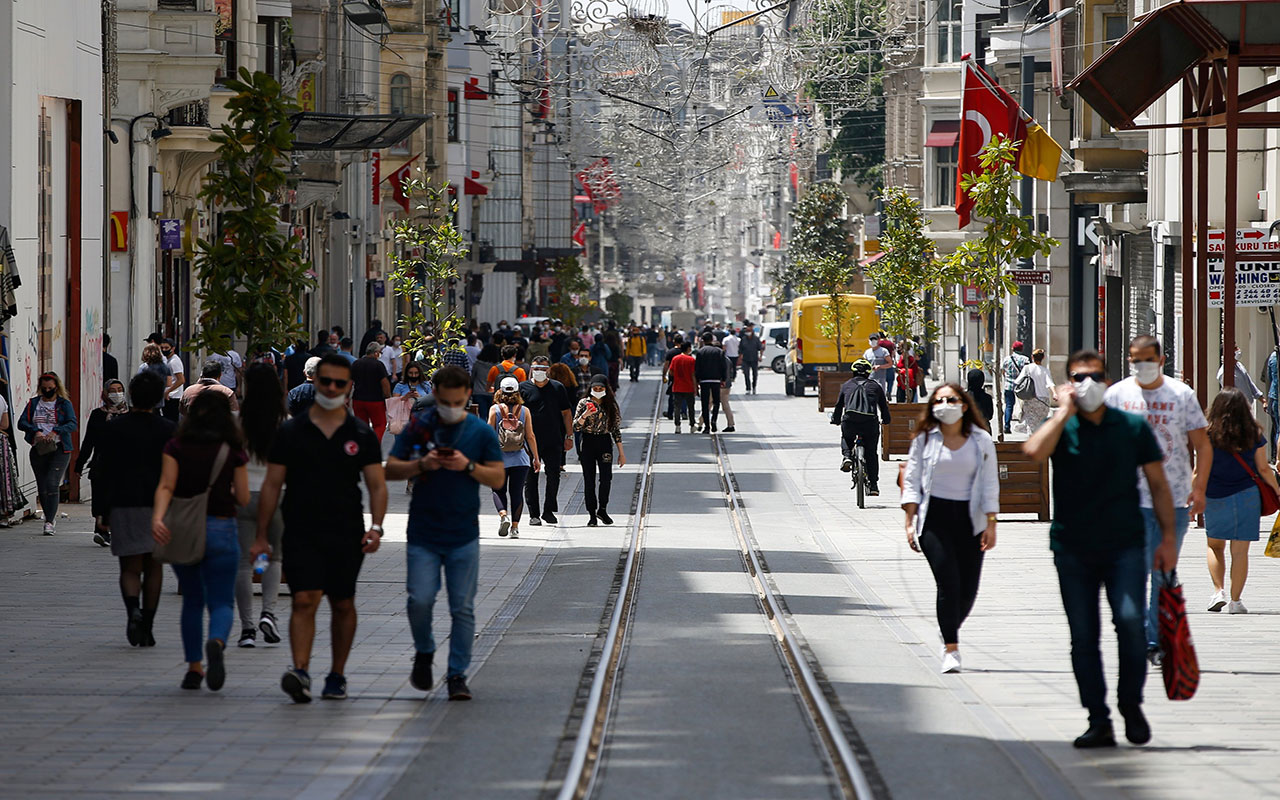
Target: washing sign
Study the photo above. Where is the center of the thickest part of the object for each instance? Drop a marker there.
(1257, 282)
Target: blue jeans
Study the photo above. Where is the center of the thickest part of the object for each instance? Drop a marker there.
(1009, 399)
(210, 582)
(1181, 521)
(49, 470)
(1123, 573)
(461, 565)
(1274, 413)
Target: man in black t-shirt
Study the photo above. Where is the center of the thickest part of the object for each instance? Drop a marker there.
(548, 401)
(320, 457)
(372, 388)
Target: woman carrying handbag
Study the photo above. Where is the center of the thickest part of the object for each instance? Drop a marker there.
(1238, 479)
(205, 461)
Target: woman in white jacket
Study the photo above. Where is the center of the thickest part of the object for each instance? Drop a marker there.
(951, 495)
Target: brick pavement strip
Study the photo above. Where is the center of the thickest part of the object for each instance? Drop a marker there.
(1018, 685)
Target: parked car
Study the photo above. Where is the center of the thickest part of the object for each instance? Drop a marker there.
(774, 335)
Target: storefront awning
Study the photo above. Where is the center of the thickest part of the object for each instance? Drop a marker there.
(473, 187)
(313, 130)
(944, 133)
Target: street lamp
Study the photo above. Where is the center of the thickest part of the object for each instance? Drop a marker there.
(369, 15)
(1056, 16)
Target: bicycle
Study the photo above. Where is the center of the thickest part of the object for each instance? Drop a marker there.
(859, 471)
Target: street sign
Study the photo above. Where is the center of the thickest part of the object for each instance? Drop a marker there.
(170, 234)
(972, 296)
(1257, 282)
(1030, 277)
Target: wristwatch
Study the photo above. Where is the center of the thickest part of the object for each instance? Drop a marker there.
(377, 528)
(471, 467)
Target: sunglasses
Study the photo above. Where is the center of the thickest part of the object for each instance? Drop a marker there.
(337, 383)
(1081, 377)
(950, 400)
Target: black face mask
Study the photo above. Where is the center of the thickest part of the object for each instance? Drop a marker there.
(48, 393)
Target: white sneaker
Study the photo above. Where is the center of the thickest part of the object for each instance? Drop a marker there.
(1236, 607)
(950, 661)
(1219, 600)
(48, 529)
(515, 532)
(504, 526)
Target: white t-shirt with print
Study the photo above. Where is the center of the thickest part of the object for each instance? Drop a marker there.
(176, 368)
(1171, 410)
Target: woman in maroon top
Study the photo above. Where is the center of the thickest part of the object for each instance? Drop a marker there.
(208, 437)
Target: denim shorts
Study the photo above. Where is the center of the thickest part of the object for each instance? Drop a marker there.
(1236, 517)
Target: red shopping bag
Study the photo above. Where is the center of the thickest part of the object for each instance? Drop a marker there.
(1180, 667)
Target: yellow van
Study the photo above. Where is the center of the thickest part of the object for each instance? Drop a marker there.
(810, 351)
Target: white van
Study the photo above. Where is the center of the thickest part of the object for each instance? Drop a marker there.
(774, 335)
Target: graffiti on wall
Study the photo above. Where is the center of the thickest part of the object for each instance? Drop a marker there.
(91, 353)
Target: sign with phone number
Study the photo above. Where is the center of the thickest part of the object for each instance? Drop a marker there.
(1257, 283)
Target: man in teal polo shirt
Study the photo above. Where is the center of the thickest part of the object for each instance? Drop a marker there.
(1098, 537)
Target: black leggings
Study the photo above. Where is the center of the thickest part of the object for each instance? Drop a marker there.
(954, 556)
(710, 402)
(751, 374)
(596, 454)
(513, 486)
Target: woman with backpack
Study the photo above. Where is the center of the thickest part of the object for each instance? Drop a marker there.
(599, 420)
(1233, 505)
(1034, 387)
(511, 420)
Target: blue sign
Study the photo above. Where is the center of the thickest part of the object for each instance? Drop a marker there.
(170, 234)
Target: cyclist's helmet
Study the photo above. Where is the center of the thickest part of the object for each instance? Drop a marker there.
(862, 367)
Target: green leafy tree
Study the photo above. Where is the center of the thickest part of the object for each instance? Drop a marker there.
(430, 248)
(831, 275)
(569, 301)
(817, 231)
(1006, 238)
(251, 277)
(908, 269)
(619, 307)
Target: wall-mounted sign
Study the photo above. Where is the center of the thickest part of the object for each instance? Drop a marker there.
(119, 231)
(170, 234)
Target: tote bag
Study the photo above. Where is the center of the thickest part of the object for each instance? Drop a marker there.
(186, 520)
(1180, 668)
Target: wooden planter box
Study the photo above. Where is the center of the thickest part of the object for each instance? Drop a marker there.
(1024, 485)
(829, 384)
(895, 438)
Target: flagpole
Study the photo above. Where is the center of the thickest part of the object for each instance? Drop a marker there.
(1026, 294)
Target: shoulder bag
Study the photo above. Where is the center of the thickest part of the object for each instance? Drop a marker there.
(1270, 501)
(186, 520)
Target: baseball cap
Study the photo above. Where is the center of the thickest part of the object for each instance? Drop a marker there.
(509, 384)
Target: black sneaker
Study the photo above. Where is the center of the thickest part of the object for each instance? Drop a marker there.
(297, 684)
(729, 429)
(420, 678)
(1155, 655)
(604, 517)
(270, 633)
(216, 671)
(873, 490)
(549, 518)
(1136, 728)
(248, 638)
(458, 688)
(534, 521)
(591, 522)
(102, 538)
(335, 687)
(1100, 734)
(192, 680)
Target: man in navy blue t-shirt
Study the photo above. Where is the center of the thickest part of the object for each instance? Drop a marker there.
(449, 453)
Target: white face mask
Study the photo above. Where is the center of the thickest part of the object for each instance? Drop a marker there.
(451, 415)
(539, 376)
(330, 403)
(583, 360)
(1145, 371)
(1089, 394)
(116, 398)
(947, 413)
(597, 392)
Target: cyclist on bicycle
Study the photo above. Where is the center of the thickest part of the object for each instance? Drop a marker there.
(856, 414)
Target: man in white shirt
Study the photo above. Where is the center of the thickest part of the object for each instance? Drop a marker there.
(730, 344)
(232, 365)
(174, 399)
(878, 356)
(1174, 414)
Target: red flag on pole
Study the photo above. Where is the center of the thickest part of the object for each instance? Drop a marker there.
(397, 183)
(377, 178)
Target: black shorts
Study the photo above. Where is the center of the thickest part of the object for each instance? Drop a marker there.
(328, 564)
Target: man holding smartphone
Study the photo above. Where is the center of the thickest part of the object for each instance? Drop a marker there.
(450, 454)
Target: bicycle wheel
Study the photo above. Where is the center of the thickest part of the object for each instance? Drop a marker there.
(860, 474)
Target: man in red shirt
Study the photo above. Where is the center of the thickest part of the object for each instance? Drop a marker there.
(683, 385)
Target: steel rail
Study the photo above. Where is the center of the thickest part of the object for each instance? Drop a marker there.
(850, 776)
(585, 761)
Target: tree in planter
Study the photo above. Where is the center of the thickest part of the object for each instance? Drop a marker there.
(571, 282)
(430, 248)
(908, 268)
(1006, 238)
(252, 277)
(619, 307)
(831, 275)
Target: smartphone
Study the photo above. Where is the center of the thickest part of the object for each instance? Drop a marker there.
(591, 406)
(445, 452)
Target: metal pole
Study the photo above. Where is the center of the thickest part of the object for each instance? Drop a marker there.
(1202, 256)
(1229, 235)
(1188, 244)
(1027, 294)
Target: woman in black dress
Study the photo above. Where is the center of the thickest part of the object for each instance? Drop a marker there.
(113, 404)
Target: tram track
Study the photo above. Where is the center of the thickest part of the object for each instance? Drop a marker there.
(576, 773)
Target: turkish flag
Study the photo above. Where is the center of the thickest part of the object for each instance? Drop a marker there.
(397, 184)
(377, 178)
(986, 112)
